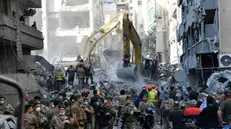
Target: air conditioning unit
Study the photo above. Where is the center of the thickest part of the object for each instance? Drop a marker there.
(224, 60)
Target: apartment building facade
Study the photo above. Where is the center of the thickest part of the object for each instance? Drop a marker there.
(205, 34)
(29, 37)
(68, 24)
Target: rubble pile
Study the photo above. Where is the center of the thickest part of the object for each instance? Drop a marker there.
(219, 81)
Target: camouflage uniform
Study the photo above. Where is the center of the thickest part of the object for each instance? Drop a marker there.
(6, 109)
(43, 121)
(30, 121)
(129, 119)
(144, 106)
(57, 122)
(90, 117)
(80, 113)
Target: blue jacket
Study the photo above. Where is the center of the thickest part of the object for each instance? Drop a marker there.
(136, 99)
(142, 93)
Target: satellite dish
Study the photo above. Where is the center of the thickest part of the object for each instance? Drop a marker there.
(180, 75)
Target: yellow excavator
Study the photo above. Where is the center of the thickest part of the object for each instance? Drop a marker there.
(141, 67)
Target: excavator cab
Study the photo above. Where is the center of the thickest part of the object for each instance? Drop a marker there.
(148, 70)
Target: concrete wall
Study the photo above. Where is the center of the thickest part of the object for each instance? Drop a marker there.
(225, 26)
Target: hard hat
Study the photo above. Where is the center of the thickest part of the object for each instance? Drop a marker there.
(144, 87)
(85, 92)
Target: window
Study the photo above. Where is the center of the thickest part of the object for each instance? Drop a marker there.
(131, 8)
(141, 26)
(151, 14)
(139, 2)
(3, 6)
(130, 1)
(131, 14)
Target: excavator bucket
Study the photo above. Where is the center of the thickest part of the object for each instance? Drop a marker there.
(127, 72)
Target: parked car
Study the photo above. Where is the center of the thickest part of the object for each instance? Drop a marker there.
(8, 122)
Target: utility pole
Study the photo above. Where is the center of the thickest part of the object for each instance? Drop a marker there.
(18, 40)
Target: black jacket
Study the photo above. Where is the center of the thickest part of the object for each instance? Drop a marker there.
(176, 116)
(208, 118)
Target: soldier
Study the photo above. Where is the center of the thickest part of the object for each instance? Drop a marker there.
(145, 104)
(90, 114)
(128, 116)
(30, 120)
(4, 107)
(43, 121)
(71, 74)
(78, 113)
(60, 121)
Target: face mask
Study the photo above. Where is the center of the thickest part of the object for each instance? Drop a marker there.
(38, 109)
(217, 101)
(130, 105)
(1, 102)
(85, 102)
(62, 113)
(201, 100)
(52, 105)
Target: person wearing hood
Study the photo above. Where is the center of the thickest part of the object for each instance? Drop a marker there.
(30, 120)
(143, 92)
(5, 108)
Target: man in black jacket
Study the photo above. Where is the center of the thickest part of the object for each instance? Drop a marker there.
(208, 117)
(176, 116)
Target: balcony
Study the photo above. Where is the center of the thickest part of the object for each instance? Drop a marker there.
(30, 37)
(210, 4)
(31, 3)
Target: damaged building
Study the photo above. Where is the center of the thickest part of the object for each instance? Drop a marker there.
(67, 25)
(205, 34)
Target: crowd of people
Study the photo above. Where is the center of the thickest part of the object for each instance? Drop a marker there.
(93, 110)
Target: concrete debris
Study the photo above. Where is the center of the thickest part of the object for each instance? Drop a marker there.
(219, 81)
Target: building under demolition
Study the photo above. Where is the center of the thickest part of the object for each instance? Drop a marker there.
(67, 25)
(205, 33)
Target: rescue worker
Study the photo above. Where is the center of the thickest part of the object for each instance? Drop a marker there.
(90, 114)
(78, 113)
(128, 115)
(89, 72)
(5, 108)
(30, 120)
(224, 110)
(151, 95)
(60, 121)
(81, 73)
(71, 74)
(145, 104)
(59, 79)
(43, 121)
(50, 83)
(143, 92)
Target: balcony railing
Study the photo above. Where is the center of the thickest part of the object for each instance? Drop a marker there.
(29, 36)
(31, 3)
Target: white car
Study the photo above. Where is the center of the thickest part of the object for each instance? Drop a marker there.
(8, 122)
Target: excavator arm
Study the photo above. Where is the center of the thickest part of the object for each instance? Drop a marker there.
(123, 24)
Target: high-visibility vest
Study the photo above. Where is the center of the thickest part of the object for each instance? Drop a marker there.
(151, 96)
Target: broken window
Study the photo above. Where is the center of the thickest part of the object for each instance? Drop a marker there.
(139, 2)
(209, 18)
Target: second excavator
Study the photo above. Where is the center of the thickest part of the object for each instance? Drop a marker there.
(141, 67)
